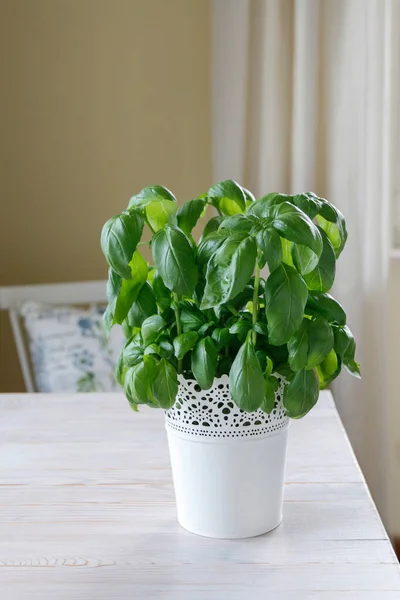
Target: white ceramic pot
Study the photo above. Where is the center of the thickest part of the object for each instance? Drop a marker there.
(228, 466)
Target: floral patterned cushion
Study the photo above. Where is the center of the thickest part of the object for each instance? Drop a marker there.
(69, 350)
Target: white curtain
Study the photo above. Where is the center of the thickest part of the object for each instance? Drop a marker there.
(304, 98)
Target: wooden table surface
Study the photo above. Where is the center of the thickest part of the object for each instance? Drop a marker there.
(87, 512)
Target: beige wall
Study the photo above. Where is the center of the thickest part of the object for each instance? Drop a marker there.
(99, 98)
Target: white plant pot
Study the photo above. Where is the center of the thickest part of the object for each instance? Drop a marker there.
(228, 466)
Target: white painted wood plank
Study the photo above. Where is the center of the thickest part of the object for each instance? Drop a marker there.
(87, 510)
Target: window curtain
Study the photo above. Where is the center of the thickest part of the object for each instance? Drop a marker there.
(304, 98)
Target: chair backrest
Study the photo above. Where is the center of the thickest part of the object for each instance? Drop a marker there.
(11, 298)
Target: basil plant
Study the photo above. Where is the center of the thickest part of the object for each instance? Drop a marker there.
(249, 299)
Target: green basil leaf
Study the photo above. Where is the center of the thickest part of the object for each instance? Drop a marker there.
(138, 380)
(152, 327)
(246, 380)
(331, 220)
(287, 252)
(130, 288)
(113, 289)
(249, 196)
(162, 293)
(264, 207)
(151, 193)
(241, 329)
(120, 369)
(158, 214)
(329, 369)
(285, 298)
(204, 362)
(210, 227)
(261, 328)
(294, 225)
(228, 196)
(268, 404)
(320, 341)
(166, 348)
(204, 328)
(345, 347)
(119, 238)
(298, 347)
(152, 349)
(209, 246)
(270, 245)
(322, 277)
(304, 259)
(191, 318)
(240, 300)
(132, 353)
(175, 260)
(184, 342)
(144, 307)
(164, 386)
(269, 368)
(236, 223)
(326, 306)
(221, 337)
(126, 329)
(308, 202)
(301, 394)
(229, 270)
(107, 320)
(189, 213)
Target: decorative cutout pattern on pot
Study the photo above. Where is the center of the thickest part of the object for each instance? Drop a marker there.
(213, 414)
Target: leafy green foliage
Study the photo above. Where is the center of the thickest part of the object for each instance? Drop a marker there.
(119, 238)
(175, 260)
(203, 310)
(185, 342)
(189, 213)
(204, 362)
(151, 193)
(164, 386)
(322, 277)
(301, 394)
(285, 298)
(228, 197)
(158, 214)
(229, 270)
(246, 380)
(269, 242)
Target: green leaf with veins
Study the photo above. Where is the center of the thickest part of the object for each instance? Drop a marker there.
(246, 380)
(229, 270)
(269, 242)
(164, 385)
(189, 213)
(204, 362)
(151, 193)
(184, 342)
(285, 298)
(294, 225)
(144, 307)
(301, 394)
(119, 238)
(129, 288)
(159, 213)
(228, 196)
(322, 277)
(175, 260)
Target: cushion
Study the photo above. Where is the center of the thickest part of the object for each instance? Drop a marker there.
(69, 349)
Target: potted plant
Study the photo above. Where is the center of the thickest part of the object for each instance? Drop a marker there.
(232, 336)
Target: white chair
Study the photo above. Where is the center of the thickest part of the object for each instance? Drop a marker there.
(11, 299)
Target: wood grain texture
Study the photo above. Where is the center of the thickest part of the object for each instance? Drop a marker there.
(87, 511)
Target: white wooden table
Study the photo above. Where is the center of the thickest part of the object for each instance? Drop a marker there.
(87, 512)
